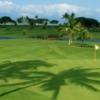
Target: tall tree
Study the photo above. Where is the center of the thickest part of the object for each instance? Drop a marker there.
(54, 22)
(5, 19)
(41, 21)
(88, 22)
(83, 34)
(70, 26)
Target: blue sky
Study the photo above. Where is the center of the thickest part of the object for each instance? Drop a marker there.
(50, 8)
(84, 3)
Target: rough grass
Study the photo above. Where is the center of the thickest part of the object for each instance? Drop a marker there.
(27, 32)
(48, 70)
(38, 32)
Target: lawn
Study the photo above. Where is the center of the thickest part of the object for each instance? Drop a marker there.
(48, 70)
(29, 32)
(39, 32)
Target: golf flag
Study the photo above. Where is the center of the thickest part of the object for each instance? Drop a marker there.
(96, 47)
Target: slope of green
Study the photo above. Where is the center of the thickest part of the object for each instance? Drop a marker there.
(48, 70)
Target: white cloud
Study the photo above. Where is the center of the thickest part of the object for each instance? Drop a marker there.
(98, 11)
(7, 7)
(49, 10)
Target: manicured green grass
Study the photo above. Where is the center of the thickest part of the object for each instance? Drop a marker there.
(42, 70)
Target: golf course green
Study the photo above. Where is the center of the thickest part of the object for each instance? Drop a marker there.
(48, 70)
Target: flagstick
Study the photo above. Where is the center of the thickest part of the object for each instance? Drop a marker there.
(94, 55)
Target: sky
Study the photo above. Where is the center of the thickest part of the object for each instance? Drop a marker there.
(50, 8)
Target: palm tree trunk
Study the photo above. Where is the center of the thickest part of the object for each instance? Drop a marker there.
(70, 39)
(69, 42)
(82, 43)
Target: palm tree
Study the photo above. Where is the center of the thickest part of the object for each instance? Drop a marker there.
(70, 25)
(83, 35)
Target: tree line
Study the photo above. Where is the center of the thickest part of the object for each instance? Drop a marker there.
(86, 22)
(28, 21)
(74, 28)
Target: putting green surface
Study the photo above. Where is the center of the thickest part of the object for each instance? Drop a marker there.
(46, 70)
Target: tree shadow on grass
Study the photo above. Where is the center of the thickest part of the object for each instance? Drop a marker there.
(77, 76)
(48, 81)
(20, 69)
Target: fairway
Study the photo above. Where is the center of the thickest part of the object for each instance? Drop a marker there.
(48, 70)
